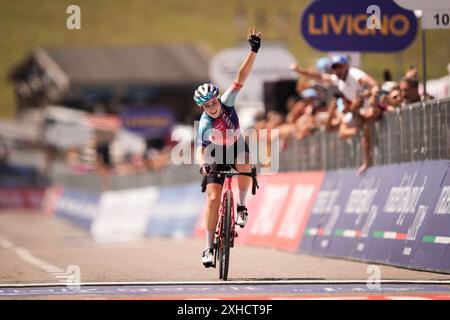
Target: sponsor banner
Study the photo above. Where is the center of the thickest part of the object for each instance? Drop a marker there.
(78, 207)
(253, 203)
(176, 211)
(285, 202)
(326, 210)
(402, 212)
(123, 215)
(345, 27)
(22, 198)
(396, 214)
(433, 235)
(361, 211)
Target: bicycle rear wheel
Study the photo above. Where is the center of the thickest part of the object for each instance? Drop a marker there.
(224, 248)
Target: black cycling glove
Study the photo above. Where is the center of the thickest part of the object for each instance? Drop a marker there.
(255, 43)
(205, 169)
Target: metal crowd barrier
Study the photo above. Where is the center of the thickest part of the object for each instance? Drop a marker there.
(419, 132)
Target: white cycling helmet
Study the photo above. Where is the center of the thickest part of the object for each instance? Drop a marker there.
(205, 93)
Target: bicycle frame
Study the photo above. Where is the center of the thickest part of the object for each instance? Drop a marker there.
(224, 240)
(226, 187)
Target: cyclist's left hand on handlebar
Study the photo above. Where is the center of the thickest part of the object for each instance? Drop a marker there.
(205, 169)
(254, 39)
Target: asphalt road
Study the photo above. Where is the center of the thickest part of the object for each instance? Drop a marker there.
(35, 249)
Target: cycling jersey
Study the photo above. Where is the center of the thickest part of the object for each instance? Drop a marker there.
(223, 130)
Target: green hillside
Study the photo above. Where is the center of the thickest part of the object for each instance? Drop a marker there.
(26, 24)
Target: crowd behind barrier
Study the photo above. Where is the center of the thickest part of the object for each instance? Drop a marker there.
(418, 132)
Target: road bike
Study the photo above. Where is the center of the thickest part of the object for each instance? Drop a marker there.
(225, 230)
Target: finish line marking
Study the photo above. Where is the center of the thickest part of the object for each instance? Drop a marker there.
(222, 291)
(235, 282)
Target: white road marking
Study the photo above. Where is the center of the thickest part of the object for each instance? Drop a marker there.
(28, 257)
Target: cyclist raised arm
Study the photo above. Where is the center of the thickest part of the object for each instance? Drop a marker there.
(255, 42)
(219, 126)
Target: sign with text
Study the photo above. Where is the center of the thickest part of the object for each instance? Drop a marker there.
(150, 122)
(436, 19)
(345, 27)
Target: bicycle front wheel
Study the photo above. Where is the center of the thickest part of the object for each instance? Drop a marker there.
(224, 253)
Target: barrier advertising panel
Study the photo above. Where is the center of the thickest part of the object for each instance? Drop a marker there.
(282, 212)
(124, 214)
(176, 211)
(79, 207)
(434, 239)
(326, 211)
(21, 198)
(408, 205)
(396, 214)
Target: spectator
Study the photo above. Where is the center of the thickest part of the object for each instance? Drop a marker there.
(388, 86)
(325, 90)
(260, 120)
(394, 100)
(306, 124)
(351, 121)
(335, 113)
(352, 82)
(295, 107)
(357, 87)
(409, 88)
(412, 72)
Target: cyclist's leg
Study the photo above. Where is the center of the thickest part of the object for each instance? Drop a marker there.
(243, 181)
(214, 186)
(242, 164)
(214, 192)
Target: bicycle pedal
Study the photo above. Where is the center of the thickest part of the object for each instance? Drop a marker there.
(235, 234)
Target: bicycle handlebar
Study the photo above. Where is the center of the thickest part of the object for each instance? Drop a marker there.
(231, 173)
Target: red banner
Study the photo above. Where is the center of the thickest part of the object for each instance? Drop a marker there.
(21, 198)
(279, 212)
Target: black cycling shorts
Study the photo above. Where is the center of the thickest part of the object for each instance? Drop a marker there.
(222, 163)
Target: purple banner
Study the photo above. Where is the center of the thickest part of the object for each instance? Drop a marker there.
(150, 122)
(433, 242)
(326, 211)
(397, 214)
(359, 211)
(330, 27)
